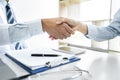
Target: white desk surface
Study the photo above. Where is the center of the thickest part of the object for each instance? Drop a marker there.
(102, 66)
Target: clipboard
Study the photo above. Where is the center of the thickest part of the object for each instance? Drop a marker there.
(53, 63)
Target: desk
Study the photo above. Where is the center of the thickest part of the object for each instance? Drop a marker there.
(102, 66)
(59, 73)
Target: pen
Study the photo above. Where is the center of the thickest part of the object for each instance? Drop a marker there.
(22, 77)
(45, 55)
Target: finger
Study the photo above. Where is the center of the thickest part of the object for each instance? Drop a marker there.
(52, 38)
(59, 22)
(66, 36)
(66, 31)
(69, 29)
(75, 28)
(59, 35)
(62, 30)
(62, 36)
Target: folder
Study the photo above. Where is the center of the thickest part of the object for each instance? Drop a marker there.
(35, 65)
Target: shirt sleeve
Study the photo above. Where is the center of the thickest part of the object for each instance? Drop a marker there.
(19, 31)
(101, 33)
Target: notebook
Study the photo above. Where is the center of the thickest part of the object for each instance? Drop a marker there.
(34, 64)
(70, 50)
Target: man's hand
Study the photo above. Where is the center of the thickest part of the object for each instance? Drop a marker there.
(76, 25)
(56, 31)
(72, 23)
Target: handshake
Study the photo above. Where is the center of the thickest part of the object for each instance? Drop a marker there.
(62, 28)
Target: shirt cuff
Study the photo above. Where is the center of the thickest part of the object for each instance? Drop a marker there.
(35, 27)
(91, 29)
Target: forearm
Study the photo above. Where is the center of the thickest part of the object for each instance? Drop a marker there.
(96, 33)
(81, 27)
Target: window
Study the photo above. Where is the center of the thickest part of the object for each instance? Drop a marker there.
(97, 12)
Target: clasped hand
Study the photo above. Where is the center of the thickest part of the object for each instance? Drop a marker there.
(58, 28)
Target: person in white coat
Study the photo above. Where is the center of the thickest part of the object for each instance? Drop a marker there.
(10, 33)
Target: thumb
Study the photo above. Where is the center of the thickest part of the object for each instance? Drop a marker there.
(74, 28)
(60, 22)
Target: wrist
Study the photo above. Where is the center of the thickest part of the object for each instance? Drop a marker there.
(82, 28)
(43, 22)
(85, 29)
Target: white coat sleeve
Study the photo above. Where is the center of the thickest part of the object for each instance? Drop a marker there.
(19, 31)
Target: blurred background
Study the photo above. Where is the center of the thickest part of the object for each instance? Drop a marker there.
(98, 12)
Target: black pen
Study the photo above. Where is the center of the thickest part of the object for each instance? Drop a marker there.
(22, 77)
(45, 55)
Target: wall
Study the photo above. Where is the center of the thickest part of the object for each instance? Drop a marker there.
(27, 10)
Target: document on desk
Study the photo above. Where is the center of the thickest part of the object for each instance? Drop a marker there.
(70, 50)
(39, 61)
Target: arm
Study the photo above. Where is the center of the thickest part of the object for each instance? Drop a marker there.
(95, 32)
(17, 32)
(105, 33)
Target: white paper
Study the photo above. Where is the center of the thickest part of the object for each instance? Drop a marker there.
(24, 56)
